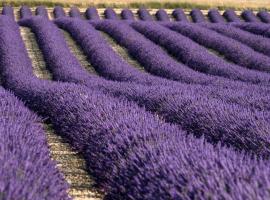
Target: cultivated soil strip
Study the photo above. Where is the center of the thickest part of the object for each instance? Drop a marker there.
(69, 162)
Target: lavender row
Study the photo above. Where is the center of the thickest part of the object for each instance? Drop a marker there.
(136, 146)
(255, 28)
(229, 48)
(258, 43)
(175, 110)
(26, 173)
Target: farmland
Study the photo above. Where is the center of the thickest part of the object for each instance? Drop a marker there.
(134, 103)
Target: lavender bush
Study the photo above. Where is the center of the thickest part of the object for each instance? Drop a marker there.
(74, 12)
(264, 16)
(8, 11)
(58, 11)
(179, 15)
(25, 12)
(215, 16)
(110, 14)
(162, 15)
(42, 11)
(145, 15)
(197, 16)
(249, 16)
(127, 14)
(92, 14)
(231, 16)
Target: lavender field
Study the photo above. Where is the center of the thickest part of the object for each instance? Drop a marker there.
(131, 104)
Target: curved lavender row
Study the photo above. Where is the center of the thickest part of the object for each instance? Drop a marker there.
(255, 28)
(127, 14)
(151, 99)
(215, 16)
(230, 48)
(109, 13)
(197, 57)
(179, 15)
(8, 11)
(231, 16)
(42, 11)
(162, 15)
(197, 16)
(25, 12)
(249, 16)
(117, 137)
(264, 16)
(91, 13)
(58, 11)
(74, 12)
(144, 15)
(26, 173)
(256, 42)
